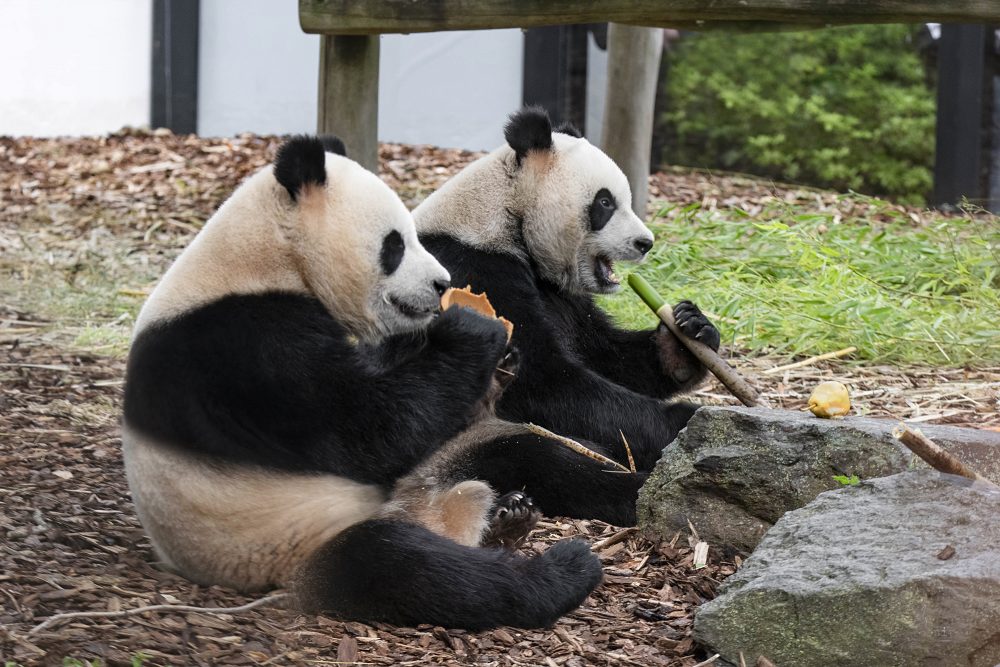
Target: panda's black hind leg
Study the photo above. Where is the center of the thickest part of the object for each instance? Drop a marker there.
(513, 516)
(402, 573)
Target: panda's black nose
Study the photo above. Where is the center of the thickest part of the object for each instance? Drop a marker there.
(642, 245)
(441, 286)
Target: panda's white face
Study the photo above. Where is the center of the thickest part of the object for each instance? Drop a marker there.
(411, 281)
(578, 218)
(358, 251)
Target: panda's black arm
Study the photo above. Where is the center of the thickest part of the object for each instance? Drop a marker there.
(650, 361)
(554, 388)
(272, 379)
(413, 393)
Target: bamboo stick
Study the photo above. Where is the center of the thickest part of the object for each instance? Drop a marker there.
(575, 446)
(734, 382)
(933, 454)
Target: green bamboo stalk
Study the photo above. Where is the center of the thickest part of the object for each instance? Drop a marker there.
(727, 375)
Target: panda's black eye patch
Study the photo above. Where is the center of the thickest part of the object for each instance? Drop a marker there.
(392, 252)
(601, 209)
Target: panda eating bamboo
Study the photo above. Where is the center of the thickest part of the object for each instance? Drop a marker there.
(536, 224)
(297, 413)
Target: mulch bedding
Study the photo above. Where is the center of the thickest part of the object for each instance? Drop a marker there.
(69, 537)
(71, 542)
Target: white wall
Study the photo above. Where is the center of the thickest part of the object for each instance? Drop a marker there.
(450, 89)
(72, 67)
(258, 72)
(597, 83)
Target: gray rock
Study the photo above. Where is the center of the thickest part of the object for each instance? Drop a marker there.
(734, 471)
(854, 580)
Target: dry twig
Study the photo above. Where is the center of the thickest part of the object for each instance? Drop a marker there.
(59, 618)
(620, 536)
(812, 360)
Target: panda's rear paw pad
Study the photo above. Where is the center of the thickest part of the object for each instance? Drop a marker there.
(513, 516)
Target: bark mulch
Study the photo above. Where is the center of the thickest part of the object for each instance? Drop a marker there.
(76, 212)
(71, 542)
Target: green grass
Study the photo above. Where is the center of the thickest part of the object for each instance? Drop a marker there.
(783, 281)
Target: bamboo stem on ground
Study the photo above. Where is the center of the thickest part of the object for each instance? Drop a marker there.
(933, 454)
(727, 375)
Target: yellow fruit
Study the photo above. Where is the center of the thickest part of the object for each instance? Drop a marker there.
(830, 399)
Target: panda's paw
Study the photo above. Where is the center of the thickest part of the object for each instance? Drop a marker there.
(676, 361)
(464, 325)
(513, 516)
(695, 325)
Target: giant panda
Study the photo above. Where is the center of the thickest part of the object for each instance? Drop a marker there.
(536, 224)
(296, 413)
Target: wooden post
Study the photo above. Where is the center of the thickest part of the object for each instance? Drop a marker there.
(958, 161)
(348, 94)
(633, 63)
(174, 94)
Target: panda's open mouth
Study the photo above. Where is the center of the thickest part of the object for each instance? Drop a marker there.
(412, 311)
(604, 272)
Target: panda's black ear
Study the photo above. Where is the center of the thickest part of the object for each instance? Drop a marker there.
(301, 161)
(528, 130)
(333, 144)
(570, 129)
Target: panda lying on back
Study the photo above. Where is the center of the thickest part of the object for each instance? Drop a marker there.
(290, 396)
(536, 225)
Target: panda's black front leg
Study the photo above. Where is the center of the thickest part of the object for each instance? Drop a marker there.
(434, 390)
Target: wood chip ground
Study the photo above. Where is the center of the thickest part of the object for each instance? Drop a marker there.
(74, 212)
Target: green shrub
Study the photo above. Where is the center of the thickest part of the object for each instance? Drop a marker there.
(847, 108)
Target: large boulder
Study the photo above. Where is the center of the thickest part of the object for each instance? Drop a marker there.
(734, 471)
(898, 571)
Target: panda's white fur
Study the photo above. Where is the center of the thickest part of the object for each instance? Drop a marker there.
(242, 527)
(257, 241)
(221, 508)
(548, 192)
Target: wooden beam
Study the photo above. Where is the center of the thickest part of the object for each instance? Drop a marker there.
(633, 64)
(364, 17)
(348, 95)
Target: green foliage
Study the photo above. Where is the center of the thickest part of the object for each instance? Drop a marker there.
(844, 480)
(847, 108)
(803, 283)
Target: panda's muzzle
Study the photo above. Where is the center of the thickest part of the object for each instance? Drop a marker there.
(415, 312)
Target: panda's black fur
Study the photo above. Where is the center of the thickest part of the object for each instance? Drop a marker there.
(274, 436)
(580, 375)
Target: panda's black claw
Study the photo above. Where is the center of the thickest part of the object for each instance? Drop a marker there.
(514, 516)
(693, 323)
